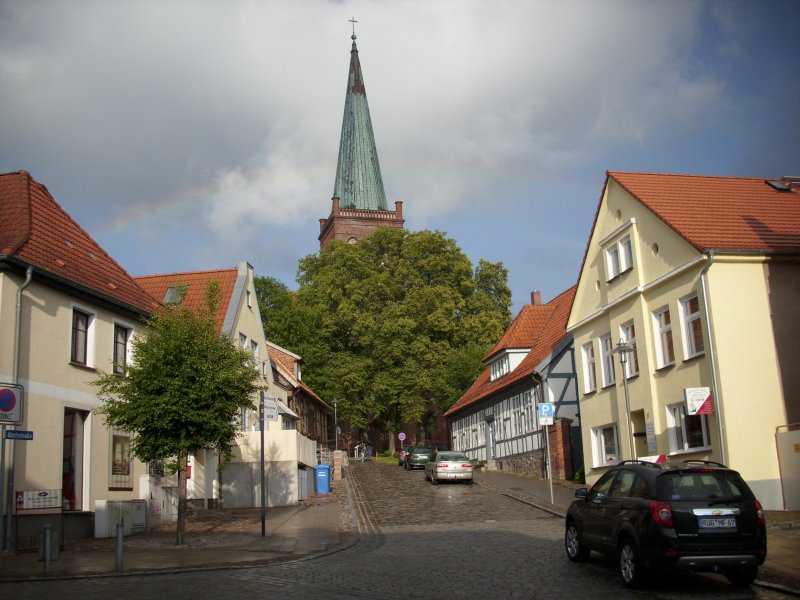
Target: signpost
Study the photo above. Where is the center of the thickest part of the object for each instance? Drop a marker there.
(547, 413)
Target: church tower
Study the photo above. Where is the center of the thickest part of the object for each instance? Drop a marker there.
(358, 206)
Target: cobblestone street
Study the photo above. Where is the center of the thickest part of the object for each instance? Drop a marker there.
(417, 541)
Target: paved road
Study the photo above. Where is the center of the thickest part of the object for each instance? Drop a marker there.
(419, 541)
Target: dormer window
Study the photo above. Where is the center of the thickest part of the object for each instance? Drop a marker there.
(500, 367)
(175, 294)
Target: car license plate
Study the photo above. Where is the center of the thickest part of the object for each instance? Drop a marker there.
(717, 522)
(454, 475)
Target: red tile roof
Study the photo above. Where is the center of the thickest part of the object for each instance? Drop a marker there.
(287, 363)
(35, 230)
(720, 213)
(543, 326)
(196, 283)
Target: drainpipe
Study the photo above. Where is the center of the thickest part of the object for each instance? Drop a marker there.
(5, 527)
(712, 355)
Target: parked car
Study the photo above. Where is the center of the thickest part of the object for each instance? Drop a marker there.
(449, 466)
(696, 515)
(417, 456)
(401, 457)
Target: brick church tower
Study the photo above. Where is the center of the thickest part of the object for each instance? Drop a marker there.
(358, 206)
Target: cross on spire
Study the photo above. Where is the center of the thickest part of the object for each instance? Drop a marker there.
(353, 21)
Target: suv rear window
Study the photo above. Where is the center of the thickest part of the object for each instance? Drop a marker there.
(703, 485)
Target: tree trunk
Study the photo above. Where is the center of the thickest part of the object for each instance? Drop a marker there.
(181, 529)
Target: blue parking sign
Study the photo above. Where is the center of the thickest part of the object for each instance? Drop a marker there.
(546, 413)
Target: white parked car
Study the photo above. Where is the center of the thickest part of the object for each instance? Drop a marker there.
(449, 466)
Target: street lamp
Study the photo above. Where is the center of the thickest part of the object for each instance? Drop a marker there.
(622, 349)
(336, 423)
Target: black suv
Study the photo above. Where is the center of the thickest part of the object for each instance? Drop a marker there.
(696, 515)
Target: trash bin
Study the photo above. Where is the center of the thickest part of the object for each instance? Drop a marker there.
(323, 479)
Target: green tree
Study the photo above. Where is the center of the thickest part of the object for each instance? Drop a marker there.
(394, 326)
(182, 391)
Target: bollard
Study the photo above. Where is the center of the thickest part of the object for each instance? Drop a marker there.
(47, 548)
(120, 533)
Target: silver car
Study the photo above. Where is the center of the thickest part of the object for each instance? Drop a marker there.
(448, 466)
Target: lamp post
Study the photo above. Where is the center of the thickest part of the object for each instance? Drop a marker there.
(336, 423)
(622, 349)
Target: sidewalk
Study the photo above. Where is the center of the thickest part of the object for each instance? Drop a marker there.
(213, 540)
(779, 572)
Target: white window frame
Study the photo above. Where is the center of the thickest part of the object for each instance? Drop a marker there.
(89, 346)
(627, 333)
(602, 458)
(607, 353)
(690, 345)
(500, 367)
(678, 430)
(114, 367)
(589, 368)
(242, 341)
(254, 352)
(619, 257)
(663, 331)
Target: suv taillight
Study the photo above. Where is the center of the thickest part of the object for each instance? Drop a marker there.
(760, 520)
(661, 512)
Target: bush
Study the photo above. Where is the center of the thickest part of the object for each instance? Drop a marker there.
(580, 476)
(388, 453)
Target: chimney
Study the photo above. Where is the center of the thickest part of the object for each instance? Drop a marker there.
(536, 297)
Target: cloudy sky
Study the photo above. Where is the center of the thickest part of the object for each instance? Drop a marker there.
(194, 135)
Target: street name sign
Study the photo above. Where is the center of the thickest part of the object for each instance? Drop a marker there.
(18, 434)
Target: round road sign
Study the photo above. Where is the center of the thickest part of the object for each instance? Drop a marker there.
(401, 436)
(8, 400)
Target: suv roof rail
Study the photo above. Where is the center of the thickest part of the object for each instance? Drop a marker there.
(705, 462)
(640, 462)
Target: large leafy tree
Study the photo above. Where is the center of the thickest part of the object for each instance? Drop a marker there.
(182, 391)
(394, 326)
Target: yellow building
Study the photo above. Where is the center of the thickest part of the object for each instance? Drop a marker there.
(686, 321)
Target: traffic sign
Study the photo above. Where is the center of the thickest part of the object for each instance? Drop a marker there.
(546, 413)
(18, 434)
(270, 408)
(401, 436)
(11, 401)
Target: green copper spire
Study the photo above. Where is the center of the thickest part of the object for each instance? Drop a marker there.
(358, 174)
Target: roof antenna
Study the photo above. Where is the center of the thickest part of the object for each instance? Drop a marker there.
(353, 21)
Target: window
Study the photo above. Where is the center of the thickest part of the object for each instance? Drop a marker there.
(121, 337)
(693, 327)
(619, 257)
(665, 352)
(244, 419)
(242, 341)
(608, 360)
(500, 367)
(590, 378)
(287, 422)
(254, 351)
(249, 299)
(121, 472)
(606, 449)
(686, 432)
(627, 333)
(82, 352)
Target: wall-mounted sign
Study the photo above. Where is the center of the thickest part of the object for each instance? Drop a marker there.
(698, 401)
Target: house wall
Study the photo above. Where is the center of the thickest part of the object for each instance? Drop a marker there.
(749, 373)
(52, 385)
(744, 321)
